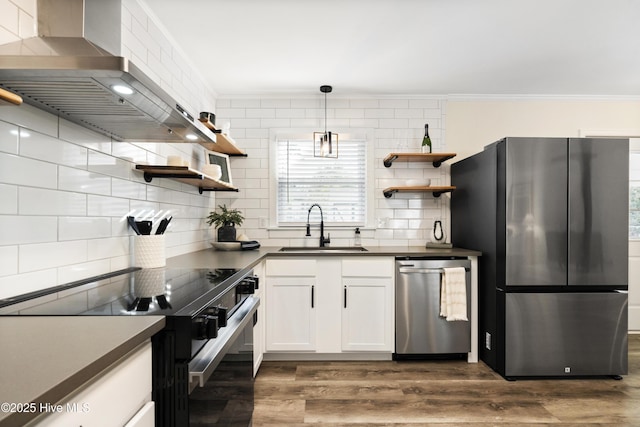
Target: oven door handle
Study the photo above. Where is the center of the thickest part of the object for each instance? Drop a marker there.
(201, 367)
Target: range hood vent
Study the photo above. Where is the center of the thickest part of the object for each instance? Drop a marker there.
(72, 69)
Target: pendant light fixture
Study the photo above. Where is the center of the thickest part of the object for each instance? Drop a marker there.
(325, 144)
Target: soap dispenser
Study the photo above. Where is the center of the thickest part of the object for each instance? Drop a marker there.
(356, 239)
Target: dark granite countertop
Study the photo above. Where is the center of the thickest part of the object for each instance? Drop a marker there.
(211, 258)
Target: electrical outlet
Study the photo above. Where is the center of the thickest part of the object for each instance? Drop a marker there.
(567, 370)
(487, 340)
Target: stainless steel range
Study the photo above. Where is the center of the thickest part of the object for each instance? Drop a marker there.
(202, 359)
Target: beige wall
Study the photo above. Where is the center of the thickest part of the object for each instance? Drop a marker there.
(472, 124)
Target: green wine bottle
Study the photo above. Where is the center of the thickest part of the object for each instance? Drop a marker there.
(426, 141)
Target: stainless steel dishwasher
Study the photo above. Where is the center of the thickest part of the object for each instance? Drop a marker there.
(420, 331)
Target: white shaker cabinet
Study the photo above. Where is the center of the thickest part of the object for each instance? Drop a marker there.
(367, 313)
(119, 396)
(329, 304)
(291, 314)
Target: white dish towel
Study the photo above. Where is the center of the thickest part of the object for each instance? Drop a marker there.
(453, 294)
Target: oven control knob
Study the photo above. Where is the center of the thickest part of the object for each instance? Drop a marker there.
(247, 286)
(204, 327)
(220, 313)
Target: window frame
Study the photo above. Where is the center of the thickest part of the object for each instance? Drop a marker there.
(344, 134)
(634, 148)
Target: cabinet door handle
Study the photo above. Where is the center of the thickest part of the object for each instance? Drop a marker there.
(345, 297)
(312, 295)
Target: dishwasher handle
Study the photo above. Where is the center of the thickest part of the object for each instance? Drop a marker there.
(412, 269)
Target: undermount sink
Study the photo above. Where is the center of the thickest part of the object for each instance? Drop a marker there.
(315, 249)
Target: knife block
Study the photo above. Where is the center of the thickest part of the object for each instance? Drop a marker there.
(149, 251)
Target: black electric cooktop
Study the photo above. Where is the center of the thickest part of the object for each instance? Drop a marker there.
(131, 292)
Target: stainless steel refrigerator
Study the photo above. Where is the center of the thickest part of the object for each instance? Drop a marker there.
(550, 216)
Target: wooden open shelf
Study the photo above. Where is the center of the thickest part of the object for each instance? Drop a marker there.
(185, 175)
(437, 191)
(435, 158)
(224, 144)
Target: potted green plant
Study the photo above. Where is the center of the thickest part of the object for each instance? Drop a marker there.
(225, 221)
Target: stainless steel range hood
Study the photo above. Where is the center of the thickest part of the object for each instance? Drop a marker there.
(72, 69)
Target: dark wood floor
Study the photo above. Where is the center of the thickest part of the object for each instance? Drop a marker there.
(442, 393)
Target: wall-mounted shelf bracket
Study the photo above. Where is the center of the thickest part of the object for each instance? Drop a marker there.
(436, 191)
(436, 159)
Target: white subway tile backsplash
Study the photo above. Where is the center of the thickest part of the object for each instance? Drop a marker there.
(83, 181)
(128, 189)
(31, 118)
(8, 260)
(260, 113)
(82, 271)
(380, 113)
(15, 230)
(426, 103)
(275, 103)
(36, 201)
(107, 206)
(408, 113)
(23, 171)
(350, 113)
(394, 103)
(108, 165)
(8, 137)
(143, 208)
(50, 149)
(76, 228)
(393, 123)
(364, 103)
(275, 123)
(49, 255)
(233, 113)
(107, 248)
(9, 199)
(28, 282)
(79, 135)
(240, 123)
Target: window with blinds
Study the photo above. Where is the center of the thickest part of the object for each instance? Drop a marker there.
(337, 185)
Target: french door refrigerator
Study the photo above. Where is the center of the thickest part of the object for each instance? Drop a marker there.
(550, 216)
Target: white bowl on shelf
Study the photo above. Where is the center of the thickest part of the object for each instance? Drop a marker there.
(418, 182)
(214, 171)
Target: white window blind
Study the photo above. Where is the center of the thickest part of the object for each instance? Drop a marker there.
(337, 185)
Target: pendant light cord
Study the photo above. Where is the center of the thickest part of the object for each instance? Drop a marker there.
(325, 115)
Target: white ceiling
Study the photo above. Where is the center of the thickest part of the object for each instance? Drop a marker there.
(409, 47)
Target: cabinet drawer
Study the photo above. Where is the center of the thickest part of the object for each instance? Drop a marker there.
(112, 398)
(300, 267)
(367, 267)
